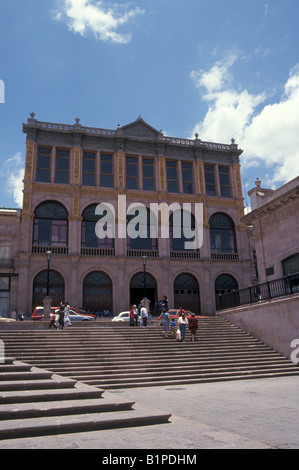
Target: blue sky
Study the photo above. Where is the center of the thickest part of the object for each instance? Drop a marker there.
(222, 69)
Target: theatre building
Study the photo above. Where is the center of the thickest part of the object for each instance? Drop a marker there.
(71, 169)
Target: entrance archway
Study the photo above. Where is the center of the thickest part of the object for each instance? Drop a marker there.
(224, 284)
(56, 288)
(97, 292)
(187, 293)
(137, 289)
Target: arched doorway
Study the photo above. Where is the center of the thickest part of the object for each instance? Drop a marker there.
(56, 288)
(224, 284)
(138, 289)
(187, 293)
(97, 292)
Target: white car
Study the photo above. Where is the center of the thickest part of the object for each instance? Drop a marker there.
(75, 316)
(6, 320)
(123, 316)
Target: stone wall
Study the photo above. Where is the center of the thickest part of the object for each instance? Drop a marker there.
(276, 322)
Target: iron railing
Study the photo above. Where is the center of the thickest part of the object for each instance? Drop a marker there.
(6, 263)
(266, 291)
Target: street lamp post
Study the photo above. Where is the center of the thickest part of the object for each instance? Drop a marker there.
(47, 300)
(144, 274)
(48, 272)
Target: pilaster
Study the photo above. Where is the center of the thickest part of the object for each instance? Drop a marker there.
(29, 162)
(120, 155)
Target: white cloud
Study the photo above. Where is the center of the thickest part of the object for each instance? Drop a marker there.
(268, 135)
(87, 15)
(14, 167)
(266, 10)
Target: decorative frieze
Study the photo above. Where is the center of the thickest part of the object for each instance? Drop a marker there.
(77, 166)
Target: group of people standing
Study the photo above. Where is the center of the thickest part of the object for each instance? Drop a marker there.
(62, 319)
(139, 314)
(178, 329)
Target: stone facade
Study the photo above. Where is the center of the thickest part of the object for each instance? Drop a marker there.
(275, 223)
(70, 169)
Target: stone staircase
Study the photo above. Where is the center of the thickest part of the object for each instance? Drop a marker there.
(127, 357)
(36, 402)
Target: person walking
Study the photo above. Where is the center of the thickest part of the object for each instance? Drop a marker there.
(193, 326)
(52, 321)
(165, 318)
(21, 315)
(67, 309)
(182, 322)
(61, 315)
(164, 304)
(173, 327)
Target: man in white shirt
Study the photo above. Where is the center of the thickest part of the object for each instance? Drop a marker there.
(144, 315)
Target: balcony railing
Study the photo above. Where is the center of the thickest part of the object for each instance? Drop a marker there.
(185, 255)
(104, 252)
(55, 250)
(140, 253)
(232, 257)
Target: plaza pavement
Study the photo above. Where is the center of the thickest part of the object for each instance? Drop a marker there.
(247, 414)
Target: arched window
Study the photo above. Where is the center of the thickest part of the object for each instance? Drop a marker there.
(222, 234)
(89, 238)
(56, 288)
(177, 232)
(291, 265)
(50, 227)
(140, 233)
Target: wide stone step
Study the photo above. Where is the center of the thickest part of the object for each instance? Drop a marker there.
(102, 336)
(124, 361)
(58, 383)
(156, 376)
(13, 429)
(77, 393)
(126, 342)
(4, 368)
(172, 348)
(198, 381)
(83, 375)
(62, 408)
(164, 365)
(34, 374)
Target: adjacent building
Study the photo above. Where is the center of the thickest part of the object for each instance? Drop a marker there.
(71, 169)
(275, 229)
